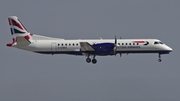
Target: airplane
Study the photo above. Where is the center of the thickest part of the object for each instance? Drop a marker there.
(90, 48)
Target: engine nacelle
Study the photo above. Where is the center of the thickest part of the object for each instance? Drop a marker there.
(104, 48)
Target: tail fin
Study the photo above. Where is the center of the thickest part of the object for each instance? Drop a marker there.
(18, 30)
(16, 26)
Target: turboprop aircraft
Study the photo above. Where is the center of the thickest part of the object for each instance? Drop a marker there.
(90, 48)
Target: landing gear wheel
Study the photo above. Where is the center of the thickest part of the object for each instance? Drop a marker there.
(94, 61)
(159, 60)
(88, 60)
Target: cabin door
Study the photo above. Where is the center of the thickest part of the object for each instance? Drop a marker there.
(53, 47)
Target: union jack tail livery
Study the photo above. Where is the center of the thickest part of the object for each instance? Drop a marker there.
(16, 26)
(19, 32)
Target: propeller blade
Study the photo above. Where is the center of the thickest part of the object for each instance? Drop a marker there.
(115, 49)
(115, 40)
(115, 45)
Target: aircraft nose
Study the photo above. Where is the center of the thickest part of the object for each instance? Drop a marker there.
(169, 49)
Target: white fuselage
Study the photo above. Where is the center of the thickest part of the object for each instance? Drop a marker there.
(61, 46)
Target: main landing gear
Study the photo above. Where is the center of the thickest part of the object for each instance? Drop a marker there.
(94, 61)
(159, 58)
(88, 60)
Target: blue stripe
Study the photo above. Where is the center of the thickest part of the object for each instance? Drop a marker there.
(11, 31)
(17, 31)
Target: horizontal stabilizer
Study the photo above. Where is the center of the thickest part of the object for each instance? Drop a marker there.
(12, 43)
(22, 41)
(85, 46)
(40, 37)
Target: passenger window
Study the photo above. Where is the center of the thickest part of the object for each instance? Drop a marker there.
(73, 44)
(122, 43)
(77, 44)
(69, 44)
(126, 43)
(137, 43)
(133, 43)
(118, 43)
(58, 44)
(61, 44)
(129, 43)
(65, 44)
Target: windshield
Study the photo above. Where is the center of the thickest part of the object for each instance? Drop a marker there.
(161, 42)
(158, 42)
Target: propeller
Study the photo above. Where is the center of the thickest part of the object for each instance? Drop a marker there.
(115, 45)
(120, 54)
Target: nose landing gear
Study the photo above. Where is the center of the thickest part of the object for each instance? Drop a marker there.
(159, 58)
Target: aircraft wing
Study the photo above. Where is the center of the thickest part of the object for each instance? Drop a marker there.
(85, 46)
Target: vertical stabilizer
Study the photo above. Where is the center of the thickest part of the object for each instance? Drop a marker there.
(18, 30)
(16, 27)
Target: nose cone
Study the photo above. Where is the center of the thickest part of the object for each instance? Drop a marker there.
(169, 49)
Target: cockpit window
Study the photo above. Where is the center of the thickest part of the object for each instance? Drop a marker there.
(161, 42)
(156, 42)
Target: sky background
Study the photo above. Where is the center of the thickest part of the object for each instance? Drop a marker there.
(27, 76)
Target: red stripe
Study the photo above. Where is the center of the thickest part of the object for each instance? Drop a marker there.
(27, 37)
(10, 44)
(139, 41)
(16, 24)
